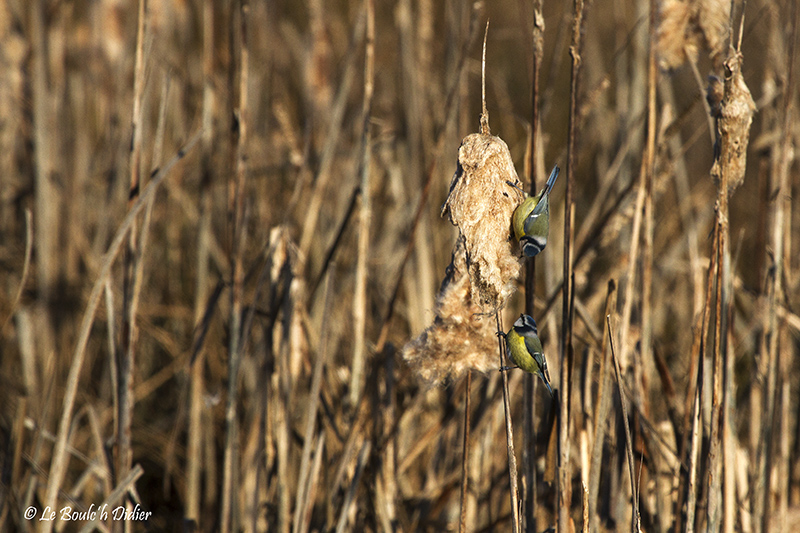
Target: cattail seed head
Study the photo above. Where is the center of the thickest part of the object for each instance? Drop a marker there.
(484, 266)
(481, 203)
(732, 107)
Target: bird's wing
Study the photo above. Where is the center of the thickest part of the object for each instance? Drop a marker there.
(534, 346)
(541, 207)
(534, 217)
(543, 196)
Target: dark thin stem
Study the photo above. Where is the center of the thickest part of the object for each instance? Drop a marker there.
(512, 457)
(529, 454)
(564, 492)
(351, 207)
(462, 523)
(635, 519)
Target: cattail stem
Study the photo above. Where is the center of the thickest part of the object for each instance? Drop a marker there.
(462, 522)
(512, 457)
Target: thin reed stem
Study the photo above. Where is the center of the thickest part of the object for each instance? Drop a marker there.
(59, 460)
(512, 457)
(529, 381)
(365, 214)
(635, 517)
(462, 521)
(564, 476)
(229, 514)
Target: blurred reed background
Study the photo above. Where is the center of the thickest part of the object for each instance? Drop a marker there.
(225, 350)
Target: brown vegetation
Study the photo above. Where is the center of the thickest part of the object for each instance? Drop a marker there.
(223, 263)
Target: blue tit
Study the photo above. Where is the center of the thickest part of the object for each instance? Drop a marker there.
(525, 349)
(531, 220)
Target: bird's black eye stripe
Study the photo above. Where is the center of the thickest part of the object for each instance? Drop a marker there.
(529, 325)
(532, 246)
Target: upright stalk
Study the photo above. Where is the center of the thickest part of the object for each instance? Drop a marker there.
(229, 517)
(529, 451)
(512, 457)
(564, 477)
(365, 216)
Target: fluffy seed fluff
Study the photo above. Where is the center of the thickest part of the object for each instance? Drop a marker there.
(484, 266)
(732, 107)
(461, 338)
(685, 26)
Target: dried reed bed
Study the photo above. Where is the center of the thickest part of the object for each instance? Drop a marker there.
(209, 213)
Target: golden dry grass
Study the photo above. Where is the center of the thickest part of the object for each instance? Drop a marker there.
(208, 212)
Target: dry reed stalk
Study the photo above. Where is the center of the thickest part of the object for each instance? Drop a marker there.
(635, 516)
(194, 462)
(15, 443)
(601, 414)
(324, 171)
(729, 424)
(694, 399)
(131, 268)
(512, 456)
(229, 516)
(780, 352)
(304, 501)
(25, 270)
(311, 487)
(126, 485)
(564, 475)
(15, 53)
(529, 452)
(585, 507)
(59, 459)
(732, 107)
(365, 213)
(257, 459)
(351, 491)
(416, 45)
(337, 240)
(386, 481)
(462, 520)
(646, 365)
(756, 399)
(282, 265)
(46, 140)
(534, 150)
(714, 465)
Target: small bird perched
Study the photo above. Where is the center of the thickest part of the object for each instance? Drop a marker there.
(531, 220)
(525, 349)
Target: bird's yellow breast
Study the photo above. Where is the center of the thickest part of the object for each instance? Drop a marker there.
(521, 213)
(519, 352)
